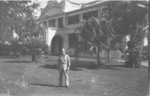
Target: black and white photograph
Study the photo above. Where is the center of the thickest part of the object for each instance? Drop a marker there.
(74, 48)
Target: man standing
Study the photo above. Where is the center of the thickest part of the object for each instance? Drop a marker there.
(63, 68)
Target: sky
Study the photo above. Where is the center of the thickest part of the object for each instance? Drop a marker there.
(43, 3)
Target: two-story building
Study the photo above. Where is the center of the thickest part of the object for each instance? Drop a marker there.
(60, 20)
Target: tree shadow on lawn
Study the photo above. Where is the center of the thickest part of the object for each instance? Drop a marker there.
(17, 61)
(75, 66)
(44, 85)
(51, 60)
(48, 66)
(113, 67)
(82, 65)
(54, 66)
(116, 66)
(8, 57)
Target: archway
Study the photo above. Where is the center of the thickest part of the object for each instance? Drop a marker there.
(56, 45)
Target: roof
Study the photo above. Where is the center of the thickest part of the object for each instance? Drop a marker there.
(69, 7)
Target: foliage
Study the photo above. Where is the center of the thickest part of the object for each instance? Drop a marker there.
(11, 15)
(32, 35)
(145, 52)
(4, 48)
(129, 19)
(112, 39)
(19, 16)
(90, 34)
(135, 48)
(107, 40)
(97, 34)
(125, 16)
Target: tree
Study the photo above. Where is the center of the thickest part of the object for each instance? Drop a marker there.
(128, 19)
(11, 19)
(92, 37)
(19, 16)
(98, 35)
(113, 39)
(32, 33)
(145, 52)
(11, 15)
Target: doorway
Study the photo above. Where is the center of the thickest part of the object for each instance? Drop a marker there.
(56, 45)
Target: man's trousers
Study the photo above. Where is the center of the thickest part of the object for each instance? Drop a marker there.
(63, 71)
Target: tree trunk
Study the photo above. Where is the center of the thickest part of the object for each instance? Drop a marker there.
(34, 57)
(109, 55)
(98, 58)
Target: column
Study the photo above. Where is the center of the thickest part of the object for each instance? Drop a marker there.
(65, 21)
(56, 22)
(66, 42)
(48, 43)
(80, 17)
(47, 26)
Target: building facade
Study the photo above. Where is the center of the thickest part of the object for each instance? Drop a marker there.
(61, 19)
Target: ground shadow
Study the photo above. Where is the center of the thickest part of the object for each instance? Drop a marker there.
(8, 57)
(116, 66)
(82, 65)
(44, 85)
(123, 66)
(76, 69)
(17, 61)
(51, 60)
(112, 68)
(75, 66)
(48, 66)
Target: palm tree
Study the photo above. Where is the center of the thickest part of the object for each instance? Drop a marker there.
(128, 19)
(109, 35)
(92, 37)
(33, 37)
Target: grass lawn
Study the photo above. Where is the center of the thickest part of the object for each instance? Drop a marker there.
(20, 77)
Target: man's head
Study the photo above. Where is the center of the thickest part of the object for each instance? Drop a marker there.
(63, 51)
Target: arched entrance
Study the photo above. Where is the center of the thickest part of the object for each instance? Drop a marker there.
(56, 45)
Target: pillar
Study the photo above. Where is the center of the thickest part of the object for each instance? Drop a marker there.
(81, 17)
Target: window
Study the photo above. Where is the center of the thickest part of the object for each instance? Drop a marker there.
(88, 15)
(73, 41)
(104, 11)
(52, 23)
(73, 19)
(60, 22)
(44, 23)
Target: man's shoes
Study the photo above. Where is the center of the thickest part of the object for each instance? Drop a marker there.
(62, 86)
